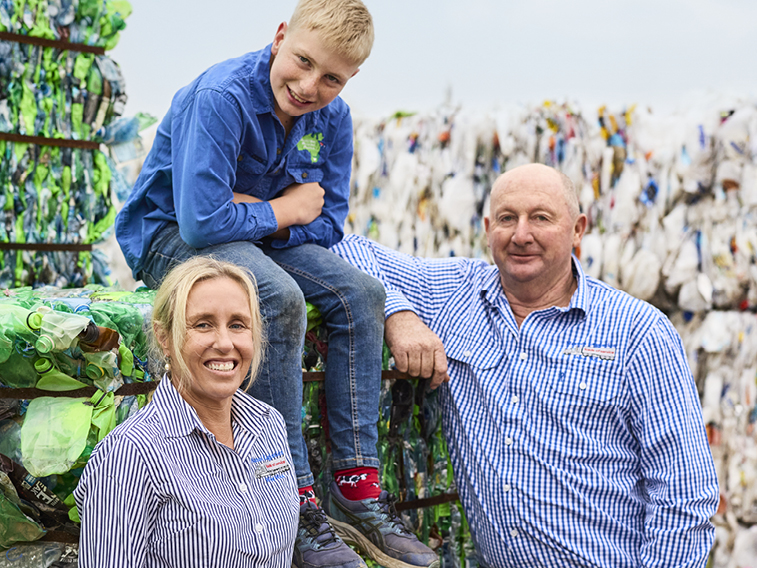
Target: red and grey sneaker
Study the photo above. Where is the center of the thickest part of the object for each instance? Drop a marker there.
(373, 526)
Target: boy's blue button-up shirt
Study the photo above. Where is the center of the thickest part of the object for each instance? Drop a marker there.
(221, 135)
(577, 438)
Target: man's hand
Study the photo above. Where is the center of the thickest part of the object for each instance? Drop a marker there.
(417, 350)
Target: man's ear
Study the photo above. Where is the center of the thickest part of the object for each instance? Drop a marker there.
(579, 229)
(278, 38)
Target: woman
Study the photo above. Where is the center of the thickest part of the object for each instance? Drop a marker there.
(202, 476)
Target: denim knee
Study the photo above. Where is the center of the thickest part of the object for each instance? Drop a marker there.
(285, 312)
(368, 296)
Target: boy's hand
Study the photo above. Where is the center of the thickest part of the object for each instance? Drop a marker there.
(417, 350)
(298, 204)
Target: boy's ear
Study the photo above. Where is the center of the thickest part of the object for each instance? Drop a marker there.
(355, 73)
(278, 38)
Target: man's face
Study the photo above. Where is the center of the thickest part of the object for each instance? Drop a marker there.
(530, 230)
(305, 74)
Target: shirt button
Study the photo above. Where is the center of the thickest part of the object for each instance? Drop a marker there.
(515, 399)
(523, 356)
(582, 386)
(506, 488)
(304, 175)
(278, 151)
(243, 488)
(258, 528)
(514, 533)
(508, 441)
(239, 159)
(467, 353)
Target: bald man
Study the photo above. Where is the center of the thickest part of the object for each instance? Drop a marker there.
(570, 413)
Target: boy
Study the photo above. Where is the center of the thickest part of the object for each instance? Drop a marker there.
(252, 165)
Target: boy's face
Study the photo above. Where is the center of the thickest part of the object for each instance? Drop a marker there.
(305, 74)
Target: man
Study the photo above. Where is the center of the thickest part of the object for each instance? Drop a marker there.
(572, 419)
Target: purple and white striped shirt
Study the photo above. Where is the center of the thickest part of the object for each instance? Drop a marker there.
(161, 491)
(577, 438)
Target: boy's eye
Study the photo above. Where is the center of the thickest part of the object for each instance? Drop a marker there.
(304, 60)
(333, 79)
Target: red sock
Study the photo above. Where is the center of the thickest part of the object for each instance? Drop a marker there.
(307, 494)
(358, 483)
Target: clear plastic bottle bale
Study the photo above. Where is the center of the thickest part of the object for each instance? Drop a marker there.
(54, 434)
(32, 555)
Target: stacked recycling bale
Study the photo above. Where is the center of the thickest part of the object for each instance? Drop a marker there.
(60, 341)
(672, 220)
(58, 94)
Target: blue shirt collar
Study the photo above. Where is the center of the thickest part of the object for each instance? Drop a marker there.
(491, 288)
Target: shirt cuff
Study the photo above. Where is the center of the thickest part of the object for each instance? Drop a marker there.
(296, 237)
(396, 302)
(262, 217)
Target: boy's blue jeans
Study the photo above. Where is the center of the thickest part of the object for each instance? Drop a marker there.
(352, 305)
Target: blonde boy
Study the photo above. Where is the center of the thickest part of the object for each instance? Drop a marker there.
(252, 165)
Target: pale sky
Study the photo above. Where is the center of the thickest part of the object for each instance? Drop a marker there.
(658, 53)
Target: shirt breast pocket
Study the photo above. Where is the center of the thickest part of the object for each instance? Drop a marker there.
(467, 350)
(305, 175)
(585, 396)
(587, 381)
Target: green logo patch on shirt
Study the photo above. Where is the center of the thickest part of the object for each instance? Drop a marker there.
(311, 143)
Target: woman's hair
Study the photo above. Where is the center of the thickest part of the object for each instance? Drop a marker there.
(169, 314)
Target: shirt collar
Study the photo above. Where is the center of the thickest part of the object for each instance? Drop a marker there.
(180, 419)
(260, 89)
(491, 287)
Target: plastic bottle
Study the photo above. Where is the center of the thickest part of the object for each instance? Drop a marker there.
(17, 368)
(54, 380)
(57, 330)
(96, 338)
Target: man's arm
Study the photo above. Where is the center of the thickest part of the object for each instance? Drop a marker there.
(416, 290)
(676, 463)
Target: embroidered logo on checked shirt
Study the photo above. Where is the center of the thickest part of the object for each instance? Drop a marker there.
(271, 467)
(607, 353)
(312, 143)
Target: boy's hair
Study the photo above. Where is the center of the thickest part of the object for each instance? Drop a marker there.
(345, 26)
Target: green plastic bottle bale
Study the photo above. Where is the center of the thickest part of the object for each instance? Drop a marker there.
(15, 526)
(54, 434)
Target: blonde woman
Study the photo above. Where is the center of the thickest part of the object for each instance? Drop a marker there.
(202, 476)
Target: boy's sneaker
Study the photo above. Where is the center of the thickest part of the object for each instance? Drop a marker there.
(318, 546)
(374, 526)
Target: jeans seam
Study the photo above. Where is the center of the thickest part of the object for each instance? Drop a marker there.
(351, 361)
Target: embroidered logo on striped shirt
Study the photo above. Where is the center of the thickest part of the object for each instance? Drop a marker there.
(607, 353)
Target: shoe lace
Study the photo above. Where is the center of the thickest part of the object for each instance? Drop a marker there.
(389, 511)
(317, 526)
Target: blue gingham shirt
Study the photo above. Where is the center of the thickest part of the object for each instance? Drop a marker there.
(160, 490)
(576, 439)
